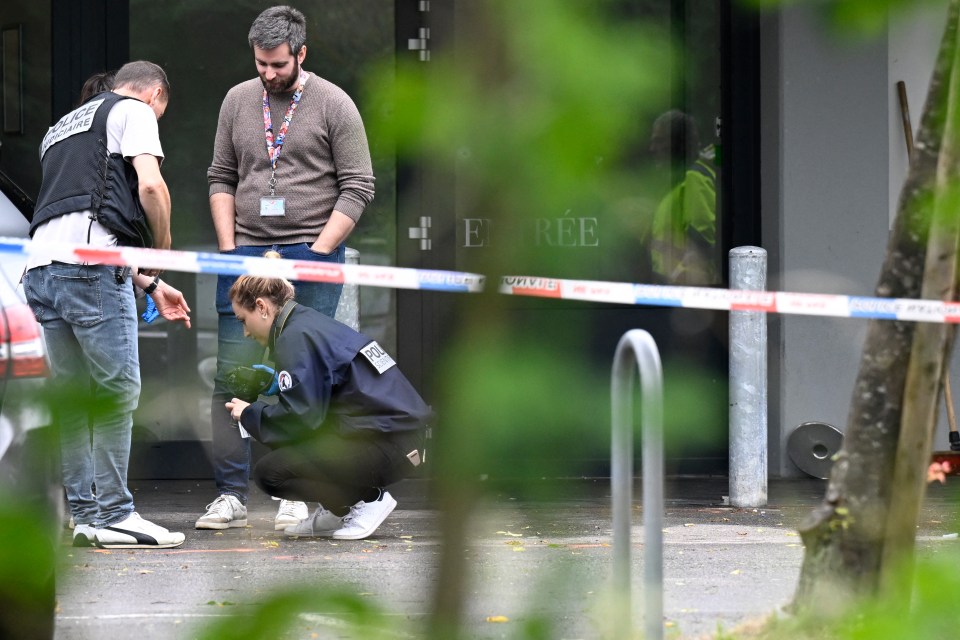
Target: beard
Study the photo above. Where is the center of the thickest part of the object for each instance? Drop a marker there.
(286, 84)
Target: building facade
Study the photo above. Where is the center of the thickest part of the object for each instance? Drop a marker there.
(809, 155)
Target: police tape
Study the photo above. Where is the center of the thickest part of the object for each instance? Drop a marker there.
(235, 265)
(809, 304)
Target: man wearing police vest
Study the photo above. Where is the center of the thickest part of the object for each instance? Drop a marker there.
(102, 187)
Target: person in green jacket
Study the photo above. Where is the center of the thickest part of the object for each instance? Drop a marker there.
(683, 231)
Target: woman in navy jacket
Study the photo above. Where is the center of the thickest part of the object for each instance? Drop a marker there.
(347, 422)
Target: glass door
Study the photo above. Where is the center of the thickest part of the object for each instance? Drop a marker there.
(580, 140)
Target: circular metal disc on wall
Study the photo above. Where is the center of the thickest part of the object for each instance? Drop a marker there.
(812, 445)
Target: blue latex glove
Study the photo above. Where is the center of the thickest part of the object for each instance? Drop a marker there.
(151, 313)
(274, 387)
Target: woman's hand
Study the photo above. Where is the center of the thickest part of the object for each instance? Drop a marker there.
(236, 407)
(171, 304)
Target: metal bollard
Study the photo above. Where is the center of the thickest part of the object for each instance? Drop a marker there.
(637, 350)
(348, 310)
(748, 384)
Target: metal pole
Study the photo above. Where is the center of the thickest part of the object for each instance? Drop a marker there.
(748, 384)
(637, 349)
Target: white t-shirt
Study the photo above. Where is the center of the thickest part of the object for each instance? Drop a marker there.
(131, 130)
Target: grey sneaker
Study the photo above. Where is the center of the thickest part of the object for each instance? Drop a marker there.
(289, 514)
(321, 524)
(365, 517)
(224, 512)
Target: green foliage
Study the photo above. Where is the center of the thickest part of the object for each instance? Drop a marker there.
(863, 18)
(26, 550)
(930, 615)
(296, 613)
(533, 113)
(27, 563)
(514, 400)
(692, 400)
(872, 16)
(517, 407)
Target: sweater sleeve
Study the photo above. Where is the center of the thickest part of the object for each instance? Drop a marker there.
(223, 174)
(351, 156)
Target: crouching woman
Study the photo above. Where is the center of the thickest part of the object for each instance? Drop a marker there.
(347, 422)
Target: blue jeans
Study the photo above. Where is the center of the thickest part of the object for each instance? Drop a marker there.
(231, 453)
(90, 329)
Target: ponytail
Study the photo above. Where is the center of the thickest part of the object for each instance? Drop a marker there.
(247, 289)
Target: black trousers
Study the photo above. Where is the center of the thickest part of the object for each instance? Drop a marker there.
(337, 471)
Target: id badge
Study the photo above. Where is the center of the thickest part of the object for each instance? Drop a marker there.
(272, 206)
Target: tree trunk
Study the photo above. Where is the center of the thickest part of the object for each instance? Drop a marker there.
(844, 536)
(927, 363)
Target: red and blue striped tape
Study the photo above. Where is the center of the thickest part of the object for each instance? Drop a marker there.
(809, 304)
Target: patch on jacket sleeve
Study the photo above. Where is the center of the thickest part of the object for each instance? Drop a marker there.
(284, 380)
(379, 358)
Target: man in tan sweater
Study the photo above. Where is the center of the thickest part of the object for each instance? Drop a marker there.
(291, 172)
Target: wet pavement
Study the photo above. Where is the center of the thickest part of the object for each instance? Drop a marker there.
(548, 559)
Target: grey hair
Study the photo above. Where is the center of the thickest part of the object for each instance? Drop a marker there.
(277, 25)
(140, 76)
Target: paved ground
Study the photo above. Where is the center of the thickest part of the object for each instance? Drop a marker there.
(550, 559)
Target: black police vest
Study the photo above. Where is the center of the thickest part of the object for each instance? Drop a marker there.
(80, 174)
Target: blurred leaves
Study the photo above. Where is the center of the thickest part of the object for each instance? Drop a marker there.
(297, 612)
(520, 408)
(928, 614)
(856, 17)
(531, 121)
(936, 583)
(540, 109)
(517, 409)
(27, 563)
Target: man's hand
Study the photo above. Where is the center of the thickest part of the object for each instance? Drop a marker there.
(171, 304)
(336, 230)
(236, 407)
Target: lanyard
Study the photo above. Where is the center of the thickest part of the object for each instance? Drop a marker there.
(274, 145)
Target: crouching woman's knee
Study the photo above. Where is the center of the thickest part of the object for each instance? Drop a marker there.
(271, 475)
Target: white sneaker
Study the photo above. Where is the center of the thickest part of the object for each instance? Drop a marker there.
(321, 524)
(289, 514)
(136, 533)
(224, 512)
(365, 517)
(84, 535)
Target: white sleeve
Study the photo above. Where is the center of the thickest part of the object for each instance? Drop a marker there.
(132, 130)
